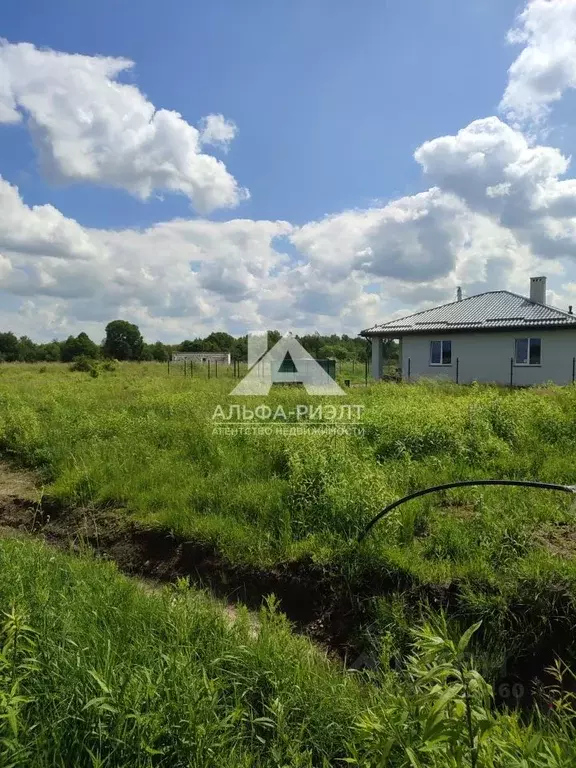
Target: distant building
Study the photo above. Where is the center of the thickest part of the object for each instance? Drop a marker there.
(498, 337)
(202, 357)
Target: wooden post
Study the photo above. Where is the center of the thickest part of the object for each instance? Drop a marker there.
(208, 368)
(184, 367)
(168, 366)
(511, 372)
(573, 370)
(409, 368)
(216, 368)
(457, 370)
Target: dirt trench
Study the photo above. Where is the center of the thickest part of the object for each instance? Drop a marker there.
(314, 599)
(318, 601)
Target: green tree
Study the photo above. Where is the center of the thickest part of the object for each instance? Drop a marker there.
(273, 338)
(146, 353)
(27, 350)
(79, 346)
(218, 342)
(160, 352)
(312, 343)
(8, 347)
(336, 351)
(50, 352)
(239, 350)
(191, 346)
(123, 341)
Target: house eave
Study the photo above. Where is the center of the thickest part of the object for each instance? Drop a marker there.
(396, 333)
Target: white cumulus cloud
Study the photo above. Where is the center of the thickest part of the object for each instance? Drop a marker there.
(41, 230)
(87, 126)
(217, 130)
(496, 207)
(546, 66)
(495, 170)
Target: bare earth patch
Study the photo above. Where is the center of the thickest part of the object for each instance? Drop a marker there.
(19, 485)
(459, 510)
(560, 541)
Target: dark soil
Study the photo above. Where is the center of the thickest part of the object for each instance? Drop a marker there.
(308, 595)
(318, 601)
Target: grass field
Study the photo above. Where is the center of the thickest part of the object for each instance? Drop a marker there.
(142, 444)
(97, 671)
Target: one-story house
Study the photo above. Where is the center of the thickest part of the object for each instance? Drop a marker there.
(498, 337)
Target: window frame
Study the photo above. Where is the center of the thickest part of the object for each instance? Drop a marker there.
(440, 364)
(529, 340)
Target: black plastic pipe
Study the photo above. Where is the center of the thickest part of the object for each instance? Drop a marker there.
(462, 484)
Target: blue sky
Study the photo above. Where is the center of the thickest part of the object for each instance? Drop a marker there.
(330, 100)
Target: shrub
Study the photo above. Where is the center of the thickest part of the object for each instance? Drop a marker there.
(85, 365)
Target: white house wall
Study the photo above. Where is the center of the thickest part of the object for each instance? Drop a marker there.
(485, 357)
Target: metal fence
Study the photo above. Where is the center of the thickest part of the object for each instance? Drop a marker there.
(513, 379)
(349, 373)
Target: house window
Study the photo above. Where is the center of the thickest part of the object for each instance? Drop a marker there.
(440, 353)
(528, 352)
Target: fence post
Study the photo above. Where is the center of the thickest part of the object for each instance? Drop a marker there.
(208, 368)
(409, 368)
(457, 370)
(168, 366)
(511, 372)
(184, 367)
(573, 370)
(216, 368)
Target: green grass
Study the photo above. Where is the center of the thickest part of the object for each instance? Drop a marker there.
(143, 442)
(96, 670)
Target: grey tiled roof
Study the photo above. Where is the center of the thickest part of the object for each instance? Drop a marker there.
(497, 309)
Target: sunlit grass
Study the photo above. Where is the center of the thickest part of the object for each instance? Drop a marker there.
(97, 671)
(144, 440)
(141, 441)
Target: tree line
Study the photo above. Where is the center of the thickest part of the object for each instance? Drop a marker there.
(123, 341)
